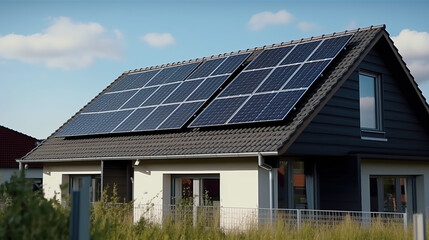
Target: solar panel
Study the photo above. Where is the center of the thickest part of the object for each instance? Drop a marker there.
(206, 68)
(269, 58)
(140, 97)
(86, 124)
(272, 84)
(156, 99)
(156, 117)
(245, 83)
(134, 119)
(132, 81)
(219, 111)
(109, 101)
(181, 115)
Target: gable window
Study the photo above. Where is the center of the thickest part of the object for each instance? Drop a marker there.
(370, 101)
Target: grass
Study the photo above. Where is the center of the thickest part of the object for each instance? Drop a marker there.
(25, 214)
(122, 228)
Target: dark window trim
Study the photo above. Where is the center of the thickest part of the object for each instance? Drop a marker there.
(378, 133)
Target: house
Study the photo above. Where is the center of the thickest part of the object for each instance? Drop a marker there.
(14, 145)
(333, 122)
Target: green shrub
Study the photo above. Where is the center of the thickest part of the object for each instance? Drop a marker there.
(26, 214)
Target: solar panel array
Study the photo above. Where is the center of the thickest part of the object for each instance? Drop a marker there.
(272, 84)
(155, 99)
(267, 89)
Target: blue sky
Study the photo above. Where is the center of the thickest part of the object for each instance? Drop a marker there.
(55, 56)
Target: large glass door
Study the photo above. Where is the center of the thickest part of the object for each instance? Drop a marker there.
(199, 190)
(392, 194)
(296, 185)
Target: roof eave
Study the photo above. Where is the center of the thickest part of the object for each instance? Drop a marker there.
(156, 157)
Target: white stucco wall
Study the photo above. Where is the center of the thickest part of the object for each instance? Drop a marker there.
(6, 173)
(419, 169)
(56, 174)
(239, 178)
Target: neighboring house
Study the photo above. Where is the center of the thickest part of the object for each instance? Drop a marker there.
(334, 122)
(14, 145)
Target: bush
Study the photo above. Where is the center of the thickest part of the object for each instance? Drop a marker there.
(26, 214)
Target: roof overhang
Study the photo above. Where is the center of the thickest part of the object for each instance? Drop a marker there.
(157, 157)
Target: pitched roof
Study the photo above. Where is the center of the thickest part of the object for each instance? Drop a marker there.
(14, 145)
(266, 138)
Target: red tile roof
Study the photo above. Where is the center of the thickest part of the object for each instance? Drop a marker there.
(14, 145)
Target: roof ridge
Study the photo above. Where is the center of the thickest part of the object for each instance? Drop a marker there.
(302, 40)
(19, 132)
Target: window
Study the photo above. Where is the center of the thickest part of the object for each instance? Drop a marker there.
(199, 190)
(370, 102)
(295, 185)
(95, 187)
(392, 194)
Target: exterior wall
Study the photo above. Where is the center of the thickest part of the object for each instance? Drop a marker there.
(335, 131)
(242, 185)
(338, 184)
(238, 180)
(398, 168)
(56, 174)
(6, 173)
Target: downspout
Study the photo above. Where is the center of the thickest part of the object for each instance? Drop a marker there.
(20, 165)
(267, 167)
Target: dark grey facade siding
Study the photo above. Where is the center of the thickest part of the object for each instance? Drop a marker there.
(118, 173)
(336, 130)
(339, 184)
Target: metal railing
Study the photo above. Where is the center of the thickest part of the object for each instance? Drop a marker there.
(243, 218)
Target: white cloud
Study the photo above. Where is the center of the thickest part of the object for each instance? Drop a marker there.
(414, 48)
(65, 44)
(263, 19)
(352, 25)
(306, 26)
(159, 39)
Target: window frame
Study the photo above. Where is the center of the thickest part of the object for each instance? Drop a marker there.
(376, 133)
(94, 196)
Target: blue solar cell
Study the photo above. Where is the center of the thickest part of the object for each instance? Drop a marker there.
(134, 119)
(124, 83)
(330, 47)
(269, 58)
(245, 83)
(207, 88)
(77, 126)
(156, 117)
(206, 68)
(93, 123)
(139, 97)
(300, 53)
(160, 95)
(231, 64)
(280, 105)
(111, 101)
(277, 79)
(218, 112)
(181, 115)
(181, 73)
(252, 108)
(162, 76)
(182, 92)
(106, 122)
(307, 74)
(143, 79)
